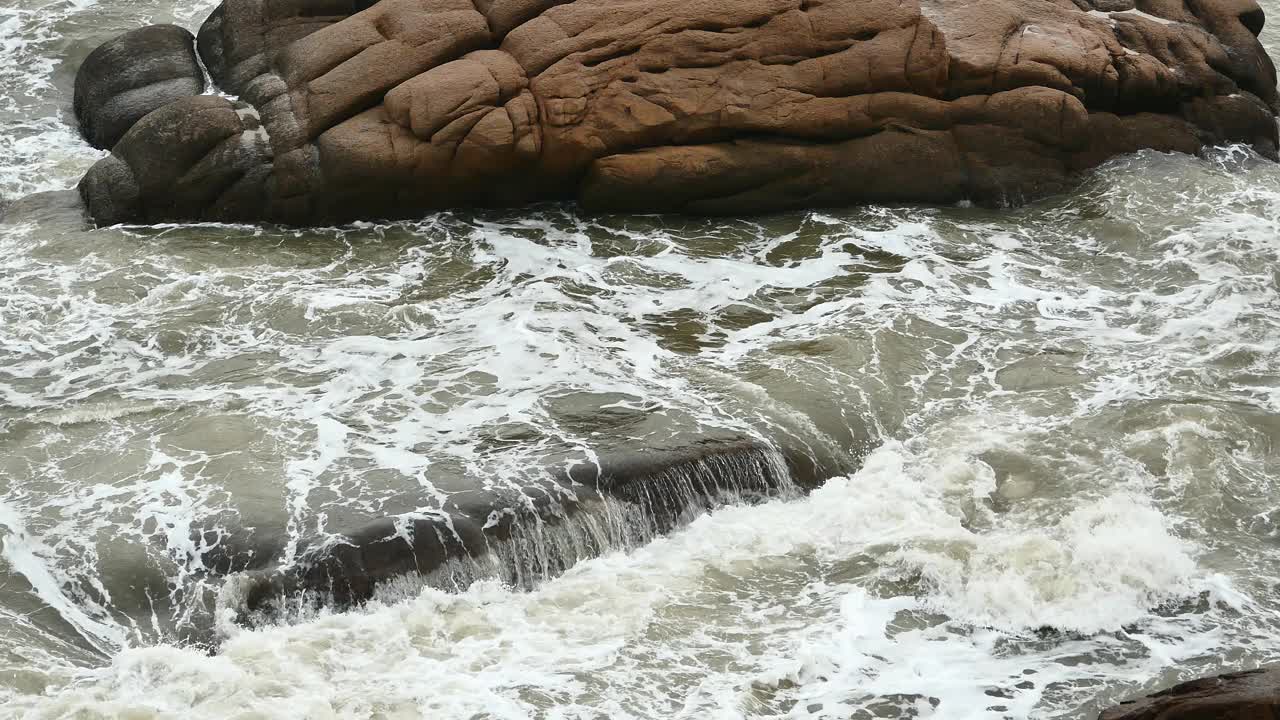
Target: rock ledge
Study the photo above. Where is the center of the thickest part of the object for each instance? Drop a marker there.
(1249, 695)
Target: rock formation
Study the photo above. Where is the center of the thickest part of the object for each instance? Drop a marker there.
(1251, 695)
(594, 506)
(125, 79)
(349, 109)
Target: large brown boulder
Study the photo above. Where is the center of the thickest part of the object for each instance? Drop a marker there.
(707, 106)
(1251, 695)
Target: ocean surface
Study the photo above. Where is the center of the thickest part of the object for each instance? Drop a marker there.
(1059, 428)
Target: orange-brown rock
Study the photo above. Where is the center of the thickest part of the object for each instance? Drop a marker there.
(355, 110)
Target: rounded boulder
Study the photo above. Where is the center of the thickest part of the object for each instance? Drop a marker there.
(131, 75)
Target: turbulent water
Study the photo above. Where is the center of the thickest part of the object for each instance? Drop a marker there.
(1060, 426)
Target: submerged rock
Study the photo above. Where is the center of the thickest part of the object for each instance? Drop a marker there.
(398, 107)
(1250, 695)
(125, 79)
(52, 209)
(584, 509)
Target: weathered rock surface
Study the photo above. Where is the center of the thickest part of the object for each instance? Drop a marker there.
(1251, 695)
(394, 108)
(126, 78)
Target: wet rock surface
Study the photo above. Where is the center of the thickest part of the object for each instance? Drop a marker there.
(352, 110)
(584, 509)
(125, 79)
(1250, 695)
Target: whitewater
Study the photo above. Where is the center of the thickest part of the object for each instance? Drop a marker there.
(1056, 430)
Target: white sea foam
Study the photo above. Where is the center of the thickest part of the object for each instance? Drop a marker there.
(1061, 414)
(984, 516)
(30, 557)
(636, 636)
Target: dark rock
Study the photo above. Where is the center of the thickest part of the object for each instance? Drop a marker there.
(405, 106)
(215, 157)
(587, 509)
(130, 76)
(238, 40)
(1250, 695)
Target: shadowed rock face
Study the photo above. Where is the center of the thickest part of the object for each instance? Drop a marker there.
(354, 110)
(1252, 695)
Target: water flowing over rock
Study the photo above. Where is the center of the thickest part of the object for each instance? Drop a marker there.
(586, 509)
(353, 110)
(1251, 695)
